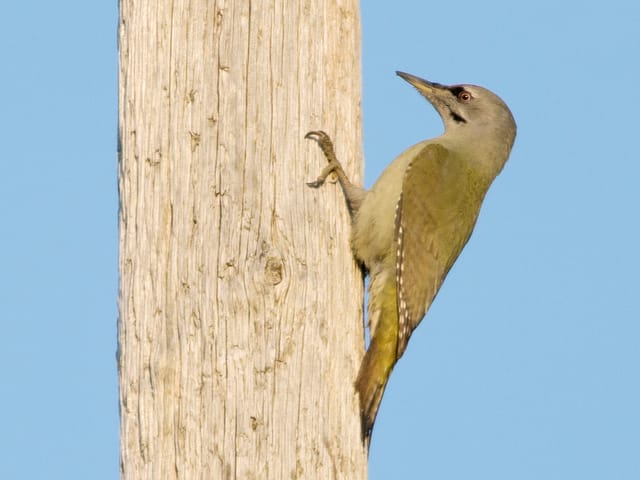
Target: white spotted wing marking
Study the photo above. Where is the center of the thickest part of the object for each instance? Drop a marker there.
(403, 313)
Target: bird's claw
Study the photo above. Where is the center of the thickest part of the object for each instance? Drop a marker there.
(324, 141)
(317, 135)
(315, 184)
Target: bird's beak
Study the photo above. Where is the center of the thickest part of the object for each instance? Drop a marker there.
(425, 87)
(437, 94)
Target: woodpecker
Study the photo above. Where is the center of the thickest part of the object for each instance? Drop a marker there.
(408, 230)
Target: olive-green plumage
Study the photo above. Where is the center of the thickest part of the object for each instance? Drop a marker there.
(409, 229)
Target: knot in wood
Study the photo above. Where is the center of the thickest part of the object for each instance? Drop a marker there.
(273, 270)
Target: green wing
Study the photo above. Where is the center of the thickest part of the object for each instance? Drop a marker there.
(436, 213)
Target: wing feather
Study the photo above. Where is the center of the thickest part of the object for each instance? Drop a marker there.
(436, 213)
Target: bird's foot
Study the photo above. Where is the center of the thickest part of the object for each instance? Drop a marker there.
(334, 166)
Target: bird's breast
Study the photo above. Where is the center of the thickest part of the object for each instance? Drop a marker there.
(372, 237)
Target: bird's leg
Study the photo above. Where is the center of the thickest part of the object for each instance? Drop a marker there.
(353, 194)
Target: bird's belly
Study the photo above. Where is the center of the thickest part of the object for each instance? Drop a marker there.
(372, 235)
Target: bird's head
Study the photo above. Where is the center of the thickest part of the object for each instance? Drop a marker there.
(467, 108)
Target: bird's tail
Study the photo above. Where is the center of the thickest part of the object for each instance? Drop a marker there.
(372, 379)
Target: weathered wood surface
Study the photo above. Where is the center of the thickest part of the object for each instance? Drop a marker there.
(240, 306)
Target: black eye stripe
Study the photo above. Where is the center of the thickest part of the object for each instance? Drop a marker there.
(457, 118)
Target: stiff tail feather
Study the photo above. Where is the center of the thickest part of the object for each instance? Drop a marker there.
(371, 382)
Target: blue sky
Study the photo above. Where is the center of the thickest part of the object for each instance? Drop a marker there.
(527, 365)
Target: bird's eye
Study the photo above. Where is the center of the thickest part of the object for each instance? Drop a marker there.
(464, 96)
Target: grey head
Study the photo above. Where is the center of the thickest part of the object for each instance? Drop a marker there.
(468, 110)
